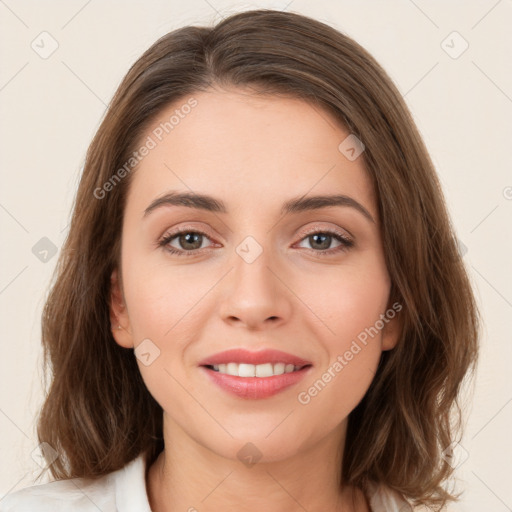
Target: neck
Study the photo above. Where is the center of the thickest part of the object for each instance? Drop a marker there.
(190, 477)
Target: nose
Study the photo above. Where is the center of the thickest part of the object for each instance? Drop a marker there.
(255, 294)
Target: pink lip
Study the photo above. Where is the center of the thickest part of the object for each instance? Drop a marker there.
(240, 355)
(255, 387)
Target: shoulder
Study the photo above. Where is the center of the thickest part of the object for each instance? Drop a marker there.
(384, 499)
(77, 494)
(118, 491)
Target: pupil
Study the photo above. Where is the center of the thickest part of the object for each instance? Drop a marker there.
(187, 238)
(325, 237)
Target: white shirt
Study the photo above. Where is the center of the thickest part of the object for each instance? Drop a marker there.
(124, 490)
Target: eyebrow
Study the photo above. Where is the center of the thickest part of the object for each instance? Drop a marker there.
(295, 205)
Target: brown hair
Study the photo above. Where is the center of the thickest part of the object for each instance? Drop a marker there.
(98, 414)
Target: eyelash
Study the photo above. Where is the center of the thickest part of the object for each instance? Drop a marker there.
(346, 243)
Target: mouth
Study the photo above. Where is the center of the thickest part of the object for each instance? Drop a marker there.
(254, 382)
(254, 375)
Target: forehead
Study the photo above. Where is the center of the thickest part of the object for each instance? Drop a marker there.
(248, 150)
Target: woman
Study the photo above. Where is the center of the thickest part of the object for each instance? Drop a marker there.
(260, 302)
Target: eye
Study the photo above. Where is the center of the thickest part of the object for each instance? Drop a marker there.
(320, 240)
(190, 241)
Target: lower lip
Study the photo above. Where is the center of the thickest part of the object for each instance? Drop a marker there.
(256, 387)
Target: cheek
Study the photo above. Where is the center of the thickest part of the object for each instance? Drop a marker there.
(348, 300)
(163, 308)
(161, 300)
(166, 306)
(351, 304)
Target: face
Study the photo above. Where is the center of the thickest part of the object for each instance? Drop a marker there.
(309, 282)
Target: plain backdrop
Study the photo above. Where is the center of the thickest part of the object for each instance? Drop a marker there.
(450, 60)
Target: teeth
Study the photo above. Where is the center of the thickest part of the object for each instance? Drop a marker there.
(258, 370)
(279, 368)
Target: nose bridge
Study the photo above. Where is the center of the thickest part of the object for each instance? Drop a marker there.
(255, 295)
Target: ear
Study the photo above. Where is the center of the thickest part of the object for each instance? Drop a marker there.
(392, 329)
(119, 319)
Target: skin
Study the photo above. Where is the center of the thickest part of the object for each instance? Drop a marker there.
(254, 153)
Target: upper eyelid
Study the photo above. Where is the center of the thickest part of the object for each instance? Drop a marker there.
(318, 229)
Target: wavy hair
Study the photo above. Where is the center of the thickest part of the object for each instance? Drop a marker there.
(98, 414)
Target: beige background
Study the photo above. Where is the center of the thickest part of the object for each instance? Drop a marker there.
(52, 106)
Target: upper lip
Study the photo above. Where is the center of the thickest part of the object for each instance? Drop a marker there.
(241, 355)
